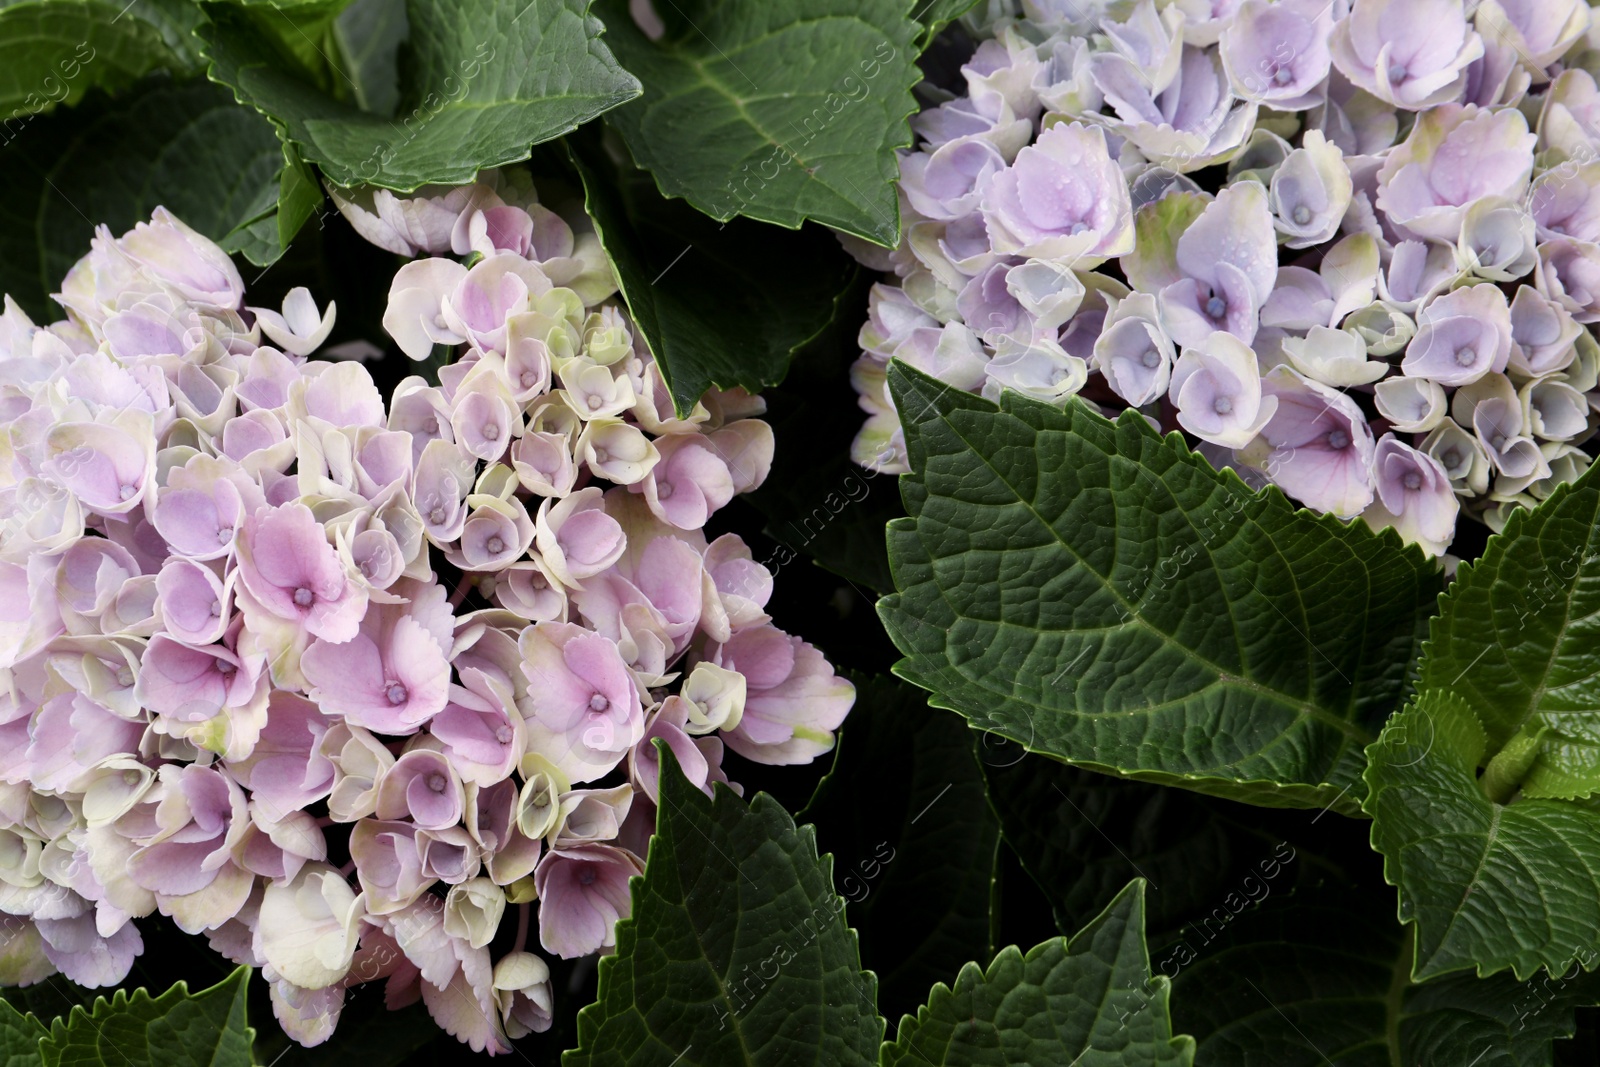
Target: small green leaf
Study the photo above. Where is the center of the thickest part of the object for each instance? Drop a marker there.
(176, 1029)
(54, 51)
(485, 82)
(1489, 886)
(19, 1038)
(1098, 593)
(1518, 640)
(1500, 870)
(1089, 1001)
(782, 111)
(720, 306)
(935, 15)
(188, 147)
(1322, 977)
(904, 814)
(736, 951)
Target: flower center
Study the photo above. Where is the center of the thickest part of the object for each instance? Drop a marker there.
(1302, 215)
(502, 734)
(436, 516)
(1412, 481)
(1151, 359)
(601, 455)
(216, 609)
(1397, 73)
(1077, 228)
(224, 534)
(598, 703)
(586, 876)
(1216, 307)
(663, 490)
(594, 402)
(1222, 405)
(1452, 458)
(529, 379)
(1283, 75)
(1466, 357)
(490, 431)
(396, 694)
(224, 667)
(1499, 441)
(495, 545)
(130, 777)
(124, 676)
(126, 492)
(536, 580)
(304, 597)
(1338, 439)
(436, 782)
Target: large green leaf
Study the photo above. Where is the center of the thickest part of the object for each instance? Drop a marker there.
(188, 147)
(19, 1038)
(485, 81)
(1499, 870)
(1099, 593)
(1322, 978)
(1082, 835)
(54, 51)
(903, 812)
(736, 951)
(1489, 886)
(1090, 1001)
(720, 305)
(782, 111)
(176, 1029)
(1518, 640)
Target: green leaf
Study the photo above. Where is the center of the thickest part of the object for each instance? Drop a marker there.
(782, 111)
(187, 147)
(935, 15)
(486, 81)
(904, 814)
(1322, 977)
(1489, 886)
(19, 1038)
(1082, 835)
(1089, 1001)
(368, 35)
(176, 1029)
(720, 306)
(54, 51)
(1098, 593)
(1518, 639)
(736, 951)
(1500, 870)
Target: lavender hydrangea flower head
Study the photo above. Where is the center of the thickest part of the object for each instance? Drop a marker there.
(1391, 253)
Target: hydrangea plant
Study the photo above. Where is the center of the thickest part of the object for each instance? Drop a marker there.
(418, 419)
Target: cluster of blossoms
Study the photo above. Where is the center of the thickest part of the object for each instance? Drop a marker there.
(1352, 246)
(257, 621)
